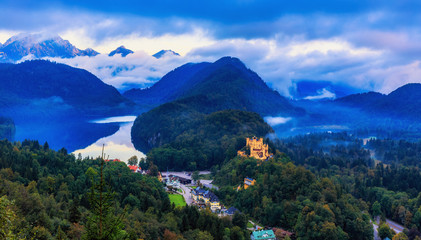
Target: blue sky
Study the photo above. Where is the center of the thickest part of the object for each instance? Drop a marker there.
(369, 45)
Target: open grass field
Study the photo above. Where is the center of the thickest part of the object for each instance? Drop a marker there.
(178, 200)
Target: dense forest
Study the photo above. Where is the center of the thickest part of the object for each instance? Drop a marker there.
(52, 195)
(292, 197)
(396, 151)
(198, 141)
(328, 182)
(319, 186)
(389, 187)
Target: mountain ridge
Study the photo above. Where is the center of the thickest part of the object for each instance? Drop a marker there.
(41, 79)
(123, 51)
(402, 102)
(225, 85)
(22, 45)
(162, 53)
(226, 78)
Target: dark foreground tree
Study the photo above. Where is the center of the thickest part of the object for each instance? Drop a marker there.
(103, 223)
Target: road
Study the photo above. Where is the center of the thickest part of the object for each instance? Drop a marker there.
(186, 194)
(184, 174)
(186, 190)
(395, 226)
(208, 183)
(375, 231)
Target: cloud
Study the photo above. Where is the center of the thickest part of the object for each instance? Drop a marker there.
(390, 78)
(347, 42)
(279, 63)
(135, 70)
(105, 31)
(322, 94)
(274, 121)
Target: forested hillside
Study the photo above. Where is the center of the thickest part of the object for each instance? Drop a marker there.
(46, 194)
(226, 84)
(293, 198)
(186, 139)
(386, 186)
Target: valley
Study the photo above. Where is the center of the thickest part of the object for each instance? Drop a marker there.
(318, 168)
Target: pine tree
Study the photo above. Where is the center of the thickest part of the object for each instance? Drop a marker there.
(74, 211)
(60, 234)
(103, 224)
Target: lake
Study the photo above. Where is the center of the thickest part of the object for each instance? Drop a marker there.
(117, 145)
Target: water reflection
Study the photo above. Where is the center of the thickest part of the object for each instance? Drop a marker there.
(118, 145)
(121, 119)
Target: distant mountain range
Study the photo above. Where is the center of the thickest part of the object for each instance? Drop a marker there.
(224, 84)
(19, 46)
(120, 50)
(41, 45)
(404, 102)
(44, 81)
(165, 52)
(46, 93)
(320, 90)
(55, 103)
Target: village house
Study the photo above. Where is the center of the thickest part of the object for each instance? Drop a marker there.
(248, 182)
(263, 235)
(135, 169)
(206, 198)
(112, 160)
(231, 211)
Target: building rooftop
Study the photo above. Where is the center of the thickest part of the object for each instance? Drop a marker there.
(205, 193)
(264, 234)
(112, 160)
(212, 197)
(199, 191)
(232, 210)
(134, 168)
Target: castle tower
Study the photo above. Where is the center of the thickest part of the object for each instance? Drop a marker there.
(258, 149)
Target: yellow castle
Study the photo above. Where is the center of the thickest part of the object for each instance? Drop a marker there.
(258, 149)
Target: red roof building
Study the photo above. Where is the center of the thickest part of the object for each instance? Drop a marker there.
(134, 168)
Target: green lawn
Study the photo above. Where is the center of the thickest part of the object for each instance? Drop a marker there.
(249, 225)
(178, 200)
